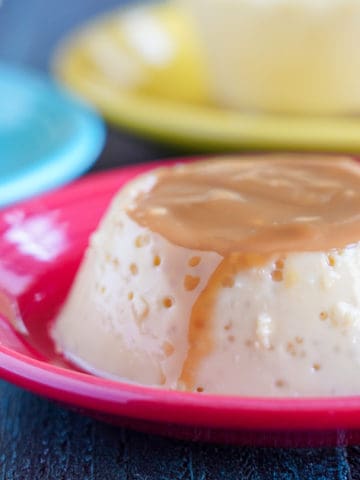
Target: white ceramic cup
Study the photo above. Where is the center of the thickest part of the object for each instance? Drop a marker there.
(288, 56)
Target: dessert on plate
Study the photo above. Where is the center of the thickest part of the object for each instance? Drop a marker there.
(281, 55)
(229, 276)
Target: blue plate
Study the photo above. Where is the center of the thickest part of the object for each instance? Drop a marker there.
(47, 138)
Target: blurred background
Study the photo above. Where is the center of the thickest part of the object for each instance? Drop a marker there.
(171, 84)
(30, 32)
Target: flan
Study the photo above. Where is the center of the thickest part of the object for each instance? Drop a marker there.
(231, 275)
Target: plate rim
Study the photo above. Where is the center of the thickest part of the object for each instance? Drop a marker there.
(68, 161)
(184, 408)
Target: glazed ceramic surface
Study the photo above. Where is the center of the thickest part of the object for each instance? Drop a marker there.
(144, 69)
(47, 138)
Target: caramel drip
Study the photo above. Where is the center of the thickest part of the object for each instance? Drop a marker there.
(200, 337)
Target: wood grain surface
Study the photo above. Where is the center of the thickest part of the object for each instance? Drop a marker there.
(40, 440)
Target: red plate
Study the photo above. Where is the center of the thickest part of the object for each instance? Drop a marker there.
(41, 244)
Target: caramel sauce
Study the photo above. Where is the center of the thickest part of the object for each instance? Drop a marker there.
(200, 332)
(248, 211)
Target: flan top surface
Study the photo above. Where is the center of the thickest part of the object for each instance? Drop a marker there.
(260, 205)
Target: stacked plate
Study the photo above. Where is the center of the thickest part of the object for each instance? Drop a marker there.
(47, 138)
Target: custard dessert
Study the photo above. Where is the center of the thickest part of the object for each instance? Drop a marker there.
(229, 276)
(287, 56)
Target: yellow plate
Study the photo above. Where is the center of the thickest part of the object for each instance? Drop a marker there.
(142, 68)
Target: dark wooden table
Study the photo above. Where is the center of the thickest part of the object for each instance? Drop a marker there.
(40, 440)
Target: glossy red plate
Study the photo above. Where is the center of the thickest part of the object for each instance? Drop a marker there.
(41, 244)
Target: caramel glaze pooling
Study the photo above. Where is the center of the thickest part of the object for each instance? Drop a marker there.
(249, 211)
